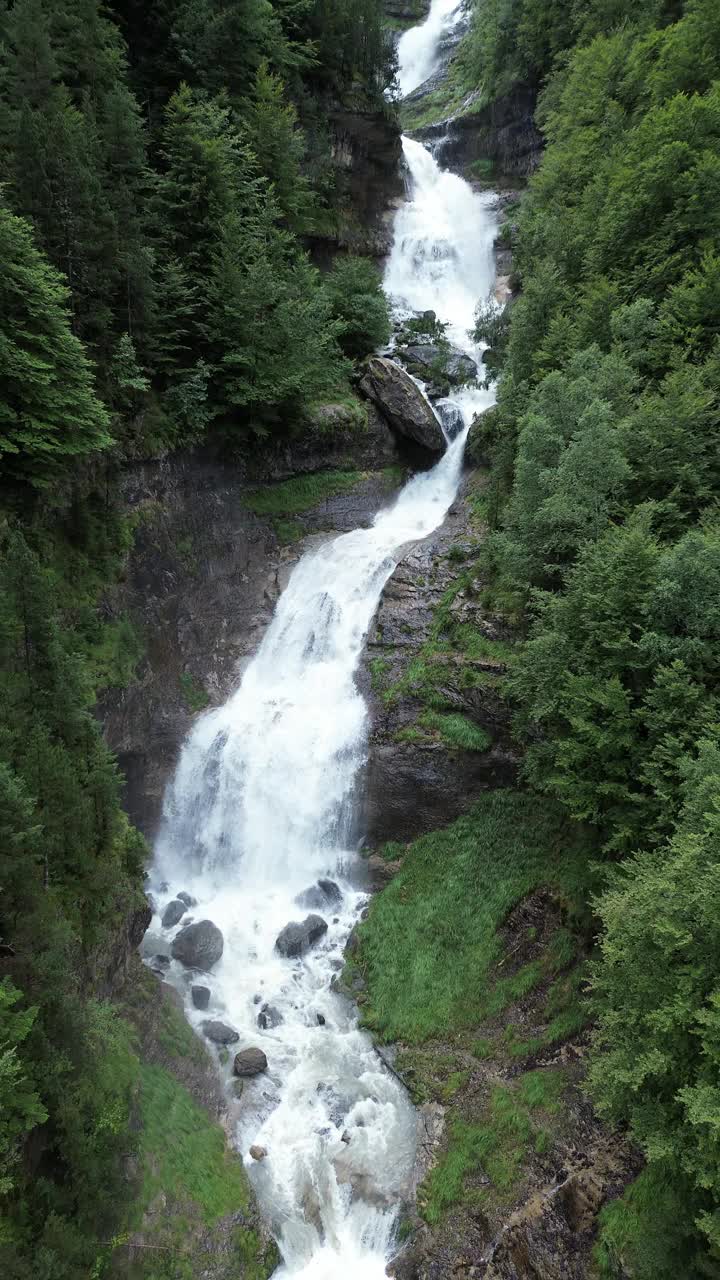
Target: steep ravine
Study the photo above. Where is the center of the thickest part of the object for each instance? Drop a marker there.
(203, 580)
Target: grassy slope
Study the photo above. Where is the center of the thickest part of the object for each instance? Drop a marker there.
(472, 959)
(192, 1208)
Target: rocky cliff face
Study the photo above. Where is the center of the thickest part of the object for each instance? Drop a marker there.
(417, 777)
(502, 133)
(366, 155)
(203, 578)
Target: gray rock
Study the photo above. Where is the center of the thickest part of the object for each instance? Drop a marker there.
(258, 1153)
(451, 418)
(238, 1086)
(299, 936)
(199, 946)
(187, 898)
(460, 367)
(269, 1017)
(249, 1062)
(220, 1032)
(402, 402)
(173, 913)
(320, 896)
(382, 871)
(200, 997)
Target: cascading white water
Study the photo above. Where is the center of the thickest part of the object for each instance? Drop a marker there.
(418, 47)
(262, 806)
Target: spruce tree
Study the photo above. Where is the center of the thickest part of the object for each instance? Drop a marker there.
(49, 412)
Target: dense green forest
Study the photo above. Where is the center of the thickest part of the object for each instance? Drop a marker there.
(606, 545)
(164, 167)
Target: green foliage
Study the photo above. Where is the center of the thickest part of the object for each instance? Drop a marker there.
(432, 939)
(656, 994)
(195, 696)
(49, 414)
(511, 1127)
(301, 493)
(354, 286)
(457, 731)
(184, 1152)
(20, 1106)
(605, 543)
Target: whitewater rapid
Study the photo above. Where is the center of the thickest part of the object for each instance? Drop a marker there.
(263, 804)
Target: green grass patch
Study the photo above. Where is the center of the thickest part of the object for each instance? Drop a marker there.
(378, 668)
(301, 493)
(185, 1153)
(513, 1125)
(457, 731)
(431, 940)
(194, 695)
(113, 658)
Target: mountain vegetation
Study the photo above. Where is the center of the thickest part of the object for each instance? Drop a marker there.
(165, 167)
(605, 548)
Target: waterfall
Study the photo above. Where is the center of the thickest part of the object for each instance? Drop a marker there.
(262, 806)
(418, 48)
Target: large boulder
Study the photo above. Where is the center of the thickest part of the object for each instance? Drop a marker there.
(198, 946)
(402, 402)
(249, 1062)
(440, 362)
(220, 1032)
(299, 936)
(321, 896)
(173, 913)
(200, 996)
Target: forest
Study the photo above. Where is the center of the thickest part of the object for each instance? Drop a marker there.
(166, 166)
(606, 545)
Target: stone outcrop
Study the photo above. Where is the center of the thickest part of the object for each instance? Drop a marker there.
(402, 403)
(366, 154)
(503, 132)
(203, 577)
(415, 782)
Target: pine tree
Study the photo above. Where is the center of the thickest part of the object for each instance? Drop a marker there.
(49, 412)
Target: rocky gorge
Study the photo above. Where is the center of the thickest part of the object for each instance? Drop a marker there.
(212, 556)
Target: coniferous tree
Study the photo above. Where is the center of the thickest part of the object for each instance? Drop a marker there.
(49, 412)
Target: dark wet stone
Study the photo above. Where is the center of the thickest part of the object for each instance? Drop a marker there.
(200, 996)
(220, 1032)
(173, 913)
(299, 936)
(250, 1062)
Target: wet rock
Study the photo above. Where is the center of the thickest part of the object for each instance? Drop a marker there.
(451, 417)
(200, 996)
(161, 961)
(249, 1062)
(199, 946)
(173, 913)
(258, 1153)
(402, 402)
(238, 1087)
(320, 1019)
(320, 896)
(380, 871)
(299, 936)
(440, 363)
(187, 898)
(220, 1032)
(269, 1017)
(345, 1137)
